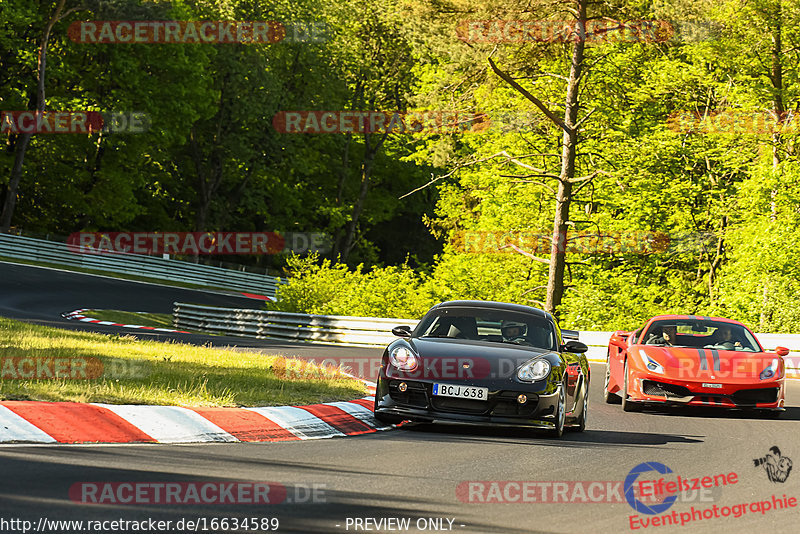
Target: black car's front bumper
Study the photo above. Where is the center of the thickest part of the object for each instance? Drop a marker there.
(501, 408)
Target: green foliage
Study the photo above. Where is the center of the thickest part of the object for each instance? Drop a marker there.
(211, 160)
(333, 289)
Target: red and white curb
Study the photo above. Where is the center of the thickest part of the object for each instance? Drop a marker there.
(372, 387)
(68, 422)
(77, 315)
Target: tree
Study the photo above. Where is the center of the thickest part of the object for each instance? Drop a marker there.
(22, 140)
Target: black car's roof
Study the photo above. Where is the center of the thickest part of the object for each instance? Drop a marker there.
(497, 305)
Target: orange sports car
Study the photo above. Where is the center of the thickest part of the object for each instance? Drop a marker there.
(694, 360)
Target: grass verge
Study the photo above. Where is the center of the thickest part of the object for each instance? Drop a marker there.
(51, 364)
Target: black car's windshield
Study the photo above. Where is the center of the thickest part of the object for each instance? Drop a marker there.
(498, 326)
(700, 333)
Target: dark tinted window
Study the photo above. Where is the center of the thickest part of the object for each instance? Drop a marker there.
(491, 325)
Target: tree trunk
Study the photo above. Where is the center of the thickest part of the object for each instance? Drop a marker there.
(24, 140)
(343, 172)
(358, 206)
(779, 109)
(778, 106)
(569, 145)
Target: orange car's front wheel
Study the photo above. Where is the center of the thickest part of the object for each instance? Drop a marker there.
(610, 398)
(627, 404)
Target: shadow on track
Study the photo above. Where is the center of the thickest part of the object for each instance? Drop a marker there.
(792, 413)
(521, 436)
(34, 489)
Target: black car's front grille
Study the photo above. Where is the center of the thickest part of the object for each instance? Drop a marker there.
(661, 389)
(753, 396)
(413, 396)
(452, 404)
(514, 408)
(507, 404)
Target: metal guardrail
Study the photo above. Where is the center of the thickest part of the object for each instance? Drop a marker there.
(26, 248)
(369, 331)
(351, 331)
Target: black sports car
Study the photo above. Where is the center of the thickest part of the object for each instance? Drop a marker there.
(487, 363)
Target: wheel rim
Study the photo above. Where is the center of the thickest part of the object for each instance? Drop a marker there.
(608, 377)
(585, 407)
(625, 382)
(561, 407)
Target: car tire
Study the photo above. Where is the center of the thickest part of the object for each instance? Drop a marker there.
(627, 404)
(610, 398)
(560, 418)
(581, 424)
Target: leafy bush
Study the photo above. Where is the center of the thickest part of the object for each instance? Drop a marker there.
(332, 289)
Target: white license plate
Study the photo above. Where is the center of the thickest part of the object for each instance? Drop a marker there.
(462, 392)
(707, 385)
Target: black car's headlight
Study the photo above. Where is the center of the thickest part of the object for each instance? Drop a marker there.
(403, 358)
(534, 370)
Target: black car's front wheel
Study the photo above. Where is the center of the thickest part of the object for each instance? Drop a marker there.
(560, 414)
(580, 422)
(581, 426)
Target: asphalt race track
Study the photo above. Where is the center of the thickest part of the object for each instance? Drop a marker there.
(415, 472)
(426, 474)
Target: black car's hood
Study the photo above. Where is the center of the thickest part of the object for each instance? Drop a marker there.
(446, 347)
(466, 360)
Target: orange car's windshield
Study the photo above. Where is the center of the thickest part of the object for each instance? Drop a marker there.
(700, 333)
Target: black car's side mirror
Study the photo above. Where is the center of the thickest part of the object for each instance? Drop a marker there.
(402, 331)
(575, 346)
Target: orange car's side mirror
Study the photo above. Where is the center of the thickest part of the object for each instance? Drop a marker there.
(781, 351)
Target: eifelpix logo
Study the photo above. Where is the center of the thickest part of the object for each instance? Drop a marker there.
(630, 484)
(655, 496)
(777, 467)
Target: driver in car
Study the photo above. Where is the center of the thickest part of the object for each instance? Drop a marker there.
(727, 340)
(514, 331)
(668, 336)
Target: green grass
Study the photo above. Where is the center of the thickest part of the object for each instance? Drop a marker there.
(131, 371)
(158, 320)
